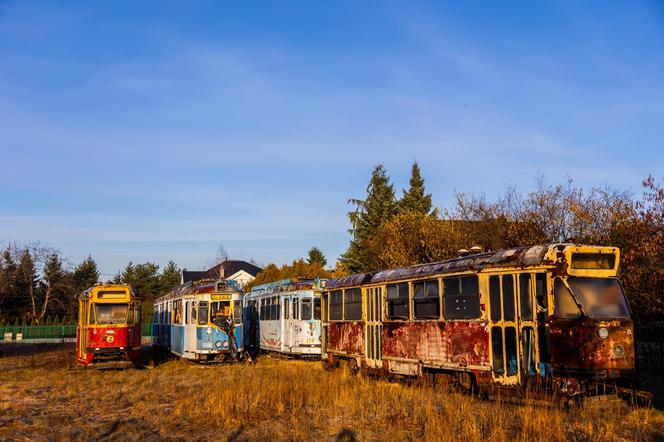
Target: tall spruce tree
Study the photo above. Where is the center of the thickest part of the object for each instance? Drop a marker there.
(415, 199)
(170, 276)
(379, 206)
(55, 287)
(26, 284)
(315, 255)
(85, 274)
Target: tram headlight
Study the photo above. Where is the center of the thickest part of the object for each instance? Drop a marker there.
(225, 343)
(618, 352)
(217, 344)
(603, 333)
(209, 330)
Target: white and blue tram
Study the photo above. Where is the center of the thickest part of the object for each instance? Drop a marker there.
(284, 317)
(192, 321)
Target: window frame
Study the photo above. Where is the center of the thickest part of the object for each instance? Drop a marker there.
(414, 300)
(404, 301)
(354, 290)
(475, 296)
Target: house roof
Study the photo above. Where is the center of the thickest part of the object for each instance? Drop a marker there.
(222, 270)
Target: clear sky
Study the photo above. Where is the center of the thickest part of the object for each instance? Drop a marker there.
(158, 130)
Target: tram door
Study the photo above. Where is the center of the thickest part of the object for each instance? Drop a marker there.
(287, 333)
(82, 327)
(373, 302)
(512, 327)
(189, 326)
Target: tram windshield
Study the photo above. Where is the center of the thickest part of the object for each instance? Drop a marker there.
(111, 313)
(219, 311)
(601, 298)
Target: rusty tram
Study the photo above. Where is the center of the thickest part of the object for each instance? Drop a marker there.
(109, 327)
(549, 319)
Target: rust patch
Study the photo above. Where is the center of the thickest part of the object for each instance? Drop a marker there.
(346, 337)
(433, 342)
(578, 345)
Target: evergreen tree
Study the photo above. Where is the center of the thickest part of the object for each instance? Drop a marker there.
(170, 277)
(315, 255)
(85, 274)
(8, 295)
(369, 214)
(144, 278)
(415, 199)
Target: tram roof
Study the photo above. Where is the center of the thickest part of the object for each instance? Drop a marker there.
(514, 257)
(286, 285)
(201, 286)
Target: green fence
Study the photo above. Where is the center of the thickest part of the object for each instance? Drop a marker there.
(35, 332)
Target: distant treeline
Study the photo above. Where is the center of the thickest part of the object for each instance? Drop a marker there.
(387, 232)
(38, 286)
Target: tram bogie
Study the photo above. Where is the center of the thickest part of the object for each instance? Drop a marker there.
(109, 327)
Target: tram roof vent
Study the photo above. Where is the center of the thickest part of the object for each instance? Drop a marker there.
(476, 249)
(464, 252)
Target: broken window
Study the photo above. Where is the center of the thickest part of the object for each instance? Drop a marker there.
(353, 304)
(397, 301)
(461, 297)
(497, 348)
(510, 351)
(508, 297)
(525, 297)
(426, 299)
(336, 305)
(564, 303)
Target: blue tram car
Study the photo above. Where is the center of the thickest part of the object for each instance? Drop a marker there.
(284, 317)
(201, 321)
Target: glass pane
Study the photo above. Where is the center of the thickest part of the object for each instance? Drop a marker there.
(541, 291)
(451, 287)
(432, 289)
(336, 305)
(601, 298)
(497, 346)
(237, 311)
(353, 304)
(525, 297)
(286, 308)
(508, 298)
(306, 309)
(111, 313)
(563, 301)
(528, 356)
(494, 297)
(317, 308)
(510, 351)
(418, 289)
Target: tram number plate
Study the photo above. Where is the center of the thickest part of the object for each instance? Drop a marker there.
(207, 344)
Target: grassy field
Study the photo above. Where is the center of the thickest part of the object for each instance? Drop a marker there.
(41, 399)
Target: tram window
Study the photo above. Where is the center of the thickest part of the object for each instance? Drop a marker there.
(525, 297)
(317, 309)
(508, 297)
(130, 316)
(494, 297)
(237, 311)
(353, 304)
(275, 308)
(528, 346)
(193, 313)
(541, 296)
(426, 299)
(203, 313)
(263, 309)
(336, 305)
(286, 308)
(564, 303)
(296, 308)
(306, 309)
(510, 351)
(497, 347)
(461, 297)
(186, 312)
(398, 305)
(110, 313)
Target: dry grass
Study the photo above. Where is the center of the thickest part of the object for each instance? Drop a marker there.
(275, 400)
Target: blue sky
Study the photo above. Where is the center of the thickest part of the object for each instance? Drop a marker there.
(158, 130)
